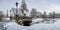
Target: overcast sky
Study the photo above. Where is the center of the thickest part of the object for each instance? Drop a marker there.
(40, 5)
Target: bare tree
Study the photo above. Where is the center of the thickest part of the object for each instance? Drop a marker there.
(53, 14)
(33, 13)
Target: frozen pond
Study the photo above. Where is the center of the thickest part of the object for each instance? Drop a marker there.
(39, 26)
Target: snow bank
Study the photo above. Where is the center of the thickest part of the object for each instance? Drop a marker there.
(40, 26)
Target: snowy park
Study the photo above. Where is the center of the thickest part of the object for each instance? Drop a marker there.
(29, 14)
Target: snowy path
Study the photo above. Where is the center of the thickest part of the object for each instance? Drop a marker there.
(40, 26)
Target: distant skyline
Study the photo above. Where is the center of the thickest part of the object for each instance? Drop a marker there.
(40, 5)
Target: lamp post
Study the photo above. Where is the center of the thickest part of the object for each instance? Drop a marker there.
(16, 15)
(10, 16)
(7, 13)
(16, 7)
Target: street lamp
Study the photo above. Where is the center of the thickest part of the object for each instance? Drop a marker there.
(16, 15)
(16, 7)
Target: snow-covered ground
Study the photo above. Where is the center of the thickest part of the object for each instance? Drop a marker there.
(38, 26)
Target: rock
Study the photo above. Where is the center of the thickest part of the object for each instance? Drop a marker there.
(27, 22)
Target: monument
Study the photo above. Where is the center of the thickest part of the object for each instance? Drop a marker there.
(26, 21)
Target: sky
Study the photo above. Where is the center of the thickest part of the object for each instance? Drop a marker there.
(40, 5)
